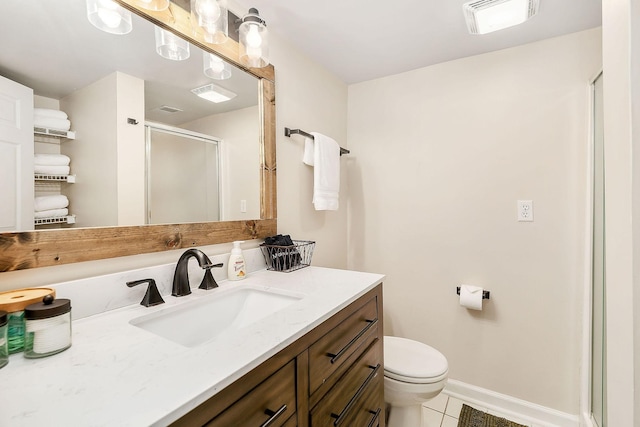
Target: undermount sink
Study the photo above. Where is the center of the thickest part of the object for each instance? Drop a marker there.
(193, 323)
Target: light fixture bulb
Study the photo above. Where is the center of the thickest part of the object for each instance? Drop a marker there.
(208, 12)
(109, 16)
(170, 46)
(215, 67)
(253, 36)
(211, 18)
(254, 48)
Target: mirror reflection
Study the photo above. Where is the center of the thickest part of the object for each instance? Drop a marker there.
(119, 96)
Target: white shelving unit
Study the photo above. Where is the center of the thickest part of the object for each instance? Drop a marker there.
(54, 135)
(68, 134)
(69, 219)
(71, 179)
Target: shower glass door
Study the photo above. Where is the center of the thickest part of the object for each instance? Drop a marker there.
(183, 176)
(598, 334)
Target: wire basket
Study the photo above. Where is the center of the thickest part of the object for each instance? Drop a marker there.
(288, 258)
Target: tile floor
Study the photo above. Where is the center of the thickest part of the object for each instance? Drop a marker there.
(444, 410)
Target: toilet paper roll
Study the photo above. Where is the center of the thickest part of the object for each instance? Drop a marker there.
(471, 297)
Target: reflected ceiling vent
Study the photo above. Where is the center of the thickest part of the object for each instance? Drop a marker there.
(168, 109)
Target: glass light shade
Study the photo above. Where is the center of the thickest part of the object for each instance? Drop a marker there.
(170, 46)
(215, 67)
(486, 16)
(254, 41)
(210, 16)
(109, 17)
(156, 5)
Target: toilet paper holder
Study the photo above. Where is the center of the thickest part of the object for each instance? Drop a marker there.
(485, 294)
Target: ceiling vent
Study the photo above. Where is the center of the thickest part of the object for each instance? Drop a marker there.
(168, 109)
(486, 16)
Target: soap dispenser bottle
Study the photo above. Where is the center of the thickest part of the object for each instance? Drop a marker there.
(236, 266)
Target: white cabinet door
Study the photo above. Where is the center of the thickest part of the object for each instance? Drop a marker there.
(16, 156)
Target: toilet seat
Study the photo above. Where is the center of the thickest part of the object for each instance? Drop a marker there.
(413, 362)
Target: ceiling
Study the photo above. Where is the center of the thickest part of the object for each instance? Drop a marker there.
(360, 40)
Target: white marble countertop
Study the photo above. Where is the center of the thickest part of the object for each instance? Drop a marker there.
(116, 374)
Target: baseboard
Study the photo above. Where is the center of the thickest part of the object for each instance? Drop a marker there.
(536, 415)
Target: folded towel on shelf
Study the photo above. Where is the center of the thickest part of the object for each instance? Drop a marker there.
(326, 170)
(51, 170)
(51, 113)
(45, 203)
(51, 123)
(51, 160)
(51, 213)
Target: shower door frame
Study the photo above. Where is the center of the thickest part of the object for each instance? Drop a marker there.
(586, 409)
(160, 127)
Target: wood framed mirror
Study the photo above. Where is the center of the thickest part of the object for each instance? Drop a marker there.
(32, 249)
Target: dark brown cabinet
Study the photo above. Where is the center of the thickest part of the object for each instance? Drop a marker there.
(332, 376)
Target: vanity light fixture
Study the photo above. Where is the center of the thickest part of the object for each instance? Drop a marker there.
(215, 67)
(254, 43)
(109, 16)
(211, 17)
(485, 16)
(214, 93)
(170, 46)
(156, 5)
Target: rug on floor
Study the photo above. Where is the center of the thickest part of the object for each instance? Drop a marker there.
(470, 417)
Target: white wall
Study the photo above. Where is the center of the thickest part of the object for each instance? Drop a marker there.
(93, 198)
(309, 98)
(442, 154)
(130, 149)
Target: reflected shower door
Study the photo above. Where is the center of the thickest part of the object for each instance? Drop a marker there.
(183, 176)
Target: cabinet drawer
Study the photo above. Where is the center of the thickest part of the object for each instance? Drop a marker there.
(274, 398)
(350, 398)
(328, 354)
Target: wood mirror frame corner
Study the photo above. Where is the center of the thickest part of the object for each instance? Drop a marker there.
(32, 249)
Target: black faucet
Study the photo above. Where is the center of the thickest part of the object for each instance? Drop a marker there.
(181, 276)
(152, 296)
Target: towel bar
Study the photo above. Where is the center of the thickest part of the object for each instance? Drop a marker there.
(288, 132)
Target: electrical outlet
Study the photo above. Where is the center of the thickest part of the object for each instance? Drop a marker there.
(525, 210)
(243, 206)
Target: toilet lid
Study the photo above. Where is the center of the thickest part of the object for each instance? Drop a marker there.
(412, 361)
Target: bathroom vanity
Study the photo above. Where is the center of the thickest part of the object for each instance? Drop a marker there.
(318, 361)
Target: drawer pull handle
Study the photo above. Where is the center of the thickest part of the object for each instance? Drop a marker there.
(273, 415)
(376, 414)
(338, 355)
(340, 417)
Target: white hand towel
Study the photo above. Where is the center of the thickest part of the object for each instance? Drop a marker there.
(51, 159)
(51, 170)
(51, 123)
(45, 203)
(48, 112)
(51, 213)
(307, 157)
(326, 172)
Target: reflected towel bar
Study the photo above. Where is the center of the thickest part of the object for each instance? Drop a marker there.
(289, 132)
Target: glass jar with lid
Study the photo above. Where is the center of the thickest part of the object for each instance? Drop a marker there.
(47, 327)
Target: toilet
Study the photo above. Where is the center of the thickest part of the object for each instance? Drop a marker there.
(413, 374)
